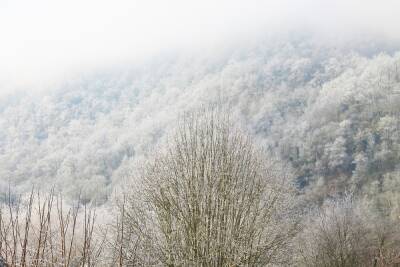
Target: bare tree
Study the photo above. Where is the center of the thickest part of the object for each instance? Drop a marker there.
(34, 233)
(336, 235)
(210, 198)
(122, 244)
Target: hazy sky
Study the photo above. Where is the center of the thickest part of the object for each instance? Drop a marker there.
(43, 39)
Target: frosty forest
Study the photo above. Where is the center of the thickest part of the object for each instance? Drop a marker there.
(267, 146)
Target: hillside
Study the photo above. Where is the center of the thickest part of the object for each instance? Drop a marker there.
(330, 110)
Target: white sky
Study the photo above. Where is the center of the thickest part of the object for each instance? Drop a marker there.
(43, 39)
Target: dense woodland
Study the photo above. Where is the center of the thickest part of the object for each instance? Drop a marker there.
(109, 168)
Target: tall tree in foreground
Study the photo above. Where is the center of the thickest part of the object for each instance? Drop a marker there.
(210, 198)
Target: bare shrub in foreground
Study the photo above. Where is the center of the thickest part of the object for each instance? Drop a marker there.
(346, 232)
(334, 236)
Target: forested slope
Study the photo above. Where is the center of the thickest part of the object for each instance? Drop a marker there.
(331, 110)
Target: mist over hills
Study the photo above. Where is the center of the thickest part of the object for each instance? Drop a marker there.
(329, 109)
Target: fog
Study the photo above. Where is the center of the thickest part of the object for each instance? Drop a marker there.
(44, 40)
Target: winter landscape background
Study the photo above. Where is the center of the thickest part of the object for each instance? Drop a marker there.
(98, 100)
(329, 110)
